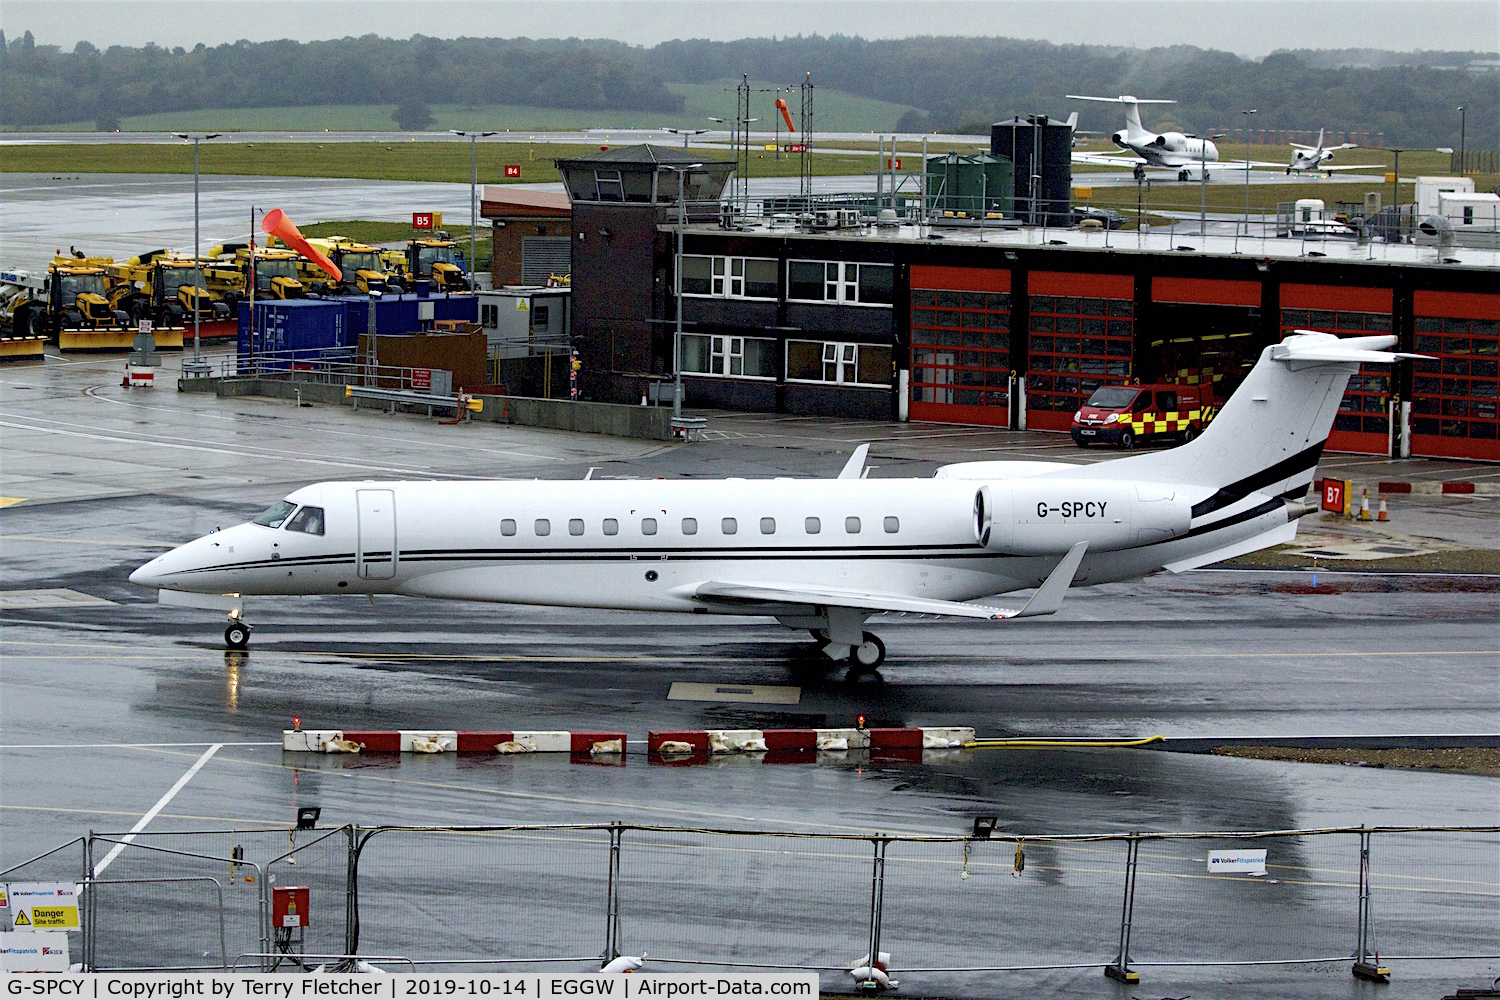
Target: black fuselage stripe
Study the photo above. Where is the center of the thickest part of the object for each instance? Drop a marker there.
(1285, 469)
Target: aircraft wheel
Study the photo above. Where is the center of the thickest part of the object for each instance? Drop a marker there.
(1127, 441)
(1188, 435)
(869, 654)
(237, 635)
(1182, 175)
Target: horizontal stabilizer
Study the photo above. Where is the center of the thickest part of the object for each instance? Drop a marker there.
(1279, 535)
(1313, 347)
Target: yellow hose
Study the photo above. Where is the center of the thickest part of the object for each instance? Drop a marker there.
(1034, 744)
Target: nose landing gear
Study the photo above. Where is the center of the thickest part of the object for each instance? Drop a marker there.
(237, 634)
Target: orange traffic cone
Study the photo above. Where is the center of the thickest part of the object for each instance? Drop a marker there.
(1382, 516)
(1364, 505)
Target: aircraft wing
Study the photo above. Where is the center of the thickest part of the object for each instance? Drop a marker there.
(1108, 159)
(763, 597)
(1323, 168)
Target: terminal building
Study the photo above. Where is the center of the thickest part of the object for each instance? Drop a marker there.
(954, 320)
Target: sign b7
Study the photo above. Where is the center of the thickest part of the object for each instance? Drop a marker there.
(1336, 495)
(513, 170)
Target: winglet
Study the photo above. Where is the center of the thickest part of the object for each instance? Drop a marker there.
(1049, 596)
(856, 463)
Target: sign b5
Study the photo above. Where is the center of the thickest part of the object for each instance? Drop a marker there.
(513, 170)
(421, 220)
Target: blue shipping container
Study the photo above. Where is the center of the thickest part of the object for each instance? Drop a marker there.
(294, 329)
(397, 314)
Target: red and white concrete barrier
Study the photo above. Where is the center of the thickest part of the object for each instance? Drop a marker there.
(1438, 488)
(450, 741)
(719, 741)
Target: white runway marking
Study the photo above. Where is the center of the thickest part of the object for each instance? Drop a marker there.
(161, 804)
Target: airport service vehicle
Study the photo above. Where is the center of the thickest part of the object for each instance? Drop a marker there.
(1127, 415)
(437, 261)
(363, 269)
(77, 293)
(167, 289)
(816, 554)
(276, 274)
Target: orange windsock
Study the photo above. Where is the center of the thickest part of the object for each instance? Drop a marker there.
(786, 113)
(278, 225)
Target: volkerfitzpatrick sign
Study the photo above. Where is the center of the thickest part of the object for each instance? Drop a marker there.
(43, 906)
(1237, 862)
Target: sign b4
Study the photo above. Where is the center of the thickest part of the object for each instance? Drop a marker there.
(513, 170)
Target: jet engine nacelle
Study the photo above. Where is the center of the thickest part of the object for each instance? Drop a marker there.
(1174, 142)
(1048, 516)
(1119, 138)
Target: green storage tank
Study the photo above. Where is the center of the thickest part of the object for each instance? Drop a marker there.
(960, 184)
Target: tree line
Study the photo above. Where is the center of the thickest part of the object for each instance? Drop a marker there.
(951, 84)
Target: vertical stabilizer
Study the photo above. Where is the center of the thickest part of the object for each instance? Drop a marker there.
(1269, 435)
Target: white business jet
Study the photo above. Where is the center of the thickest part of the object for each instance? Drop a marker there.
(1187, 154)
(1315, 158)
(817, 554)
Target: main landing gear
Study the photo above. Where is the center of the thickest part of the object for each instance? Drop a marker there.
(868, 654)
(237, 634)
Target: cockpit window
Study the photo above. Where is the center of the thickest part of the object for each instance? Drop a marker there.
(308, 520)
(273, 517)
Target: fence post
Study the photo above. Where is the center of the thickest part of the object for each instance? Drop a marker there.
(263, 881)
(877, 904)
(1365, 965)
(1120, 970)
(351, 899)
(88, 903)
(612, 903)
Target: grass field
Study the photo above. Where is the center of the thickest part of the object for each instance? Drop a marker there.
(836, 111)
(405, 161)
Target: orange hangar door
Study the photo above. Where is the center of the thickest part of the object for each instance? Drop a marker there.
(1454, 393)
(960, 345)
(1080, 336)
(1205, 331)
(1364, 422)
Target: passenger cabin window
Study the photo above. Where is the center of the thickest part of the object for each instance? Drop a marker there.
(813, 525)
(768, 526)
(273, 517)
(508, 526)
(729, 526)
(611, 526)
(575, 526)
(892, 525)
(648, 525)
(851, 525)
(308, 520)
(690, 526)
(543, 526)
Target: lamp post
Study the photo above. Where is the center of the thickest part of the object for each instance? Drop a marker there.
(1396, 190)
(1461, 144)
(677, 331)
(474, 138)
(685, 133)
(196, 138)
(1247, 112)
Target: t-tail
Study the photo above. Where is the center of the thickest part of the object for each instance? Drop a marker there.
(1269, 435)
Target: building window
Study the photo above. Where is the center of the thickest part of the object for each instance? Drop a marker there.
(768, 526)
(648, 525)
(1454, 395)
(813, 525)
(489, 316)
(611, 526)
(729, 277)
(960, 343)
(1365, 407)
(543, 526)
(851, 525)
(729, 526)
(690, 526)
(575, 526)
(608, 185)
(1076, 345)
(731, 357)
(508, 527)
(838, 363)
(844, 282)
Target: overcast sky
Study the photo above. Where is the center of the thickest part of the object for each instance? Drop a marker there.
(1247, 27)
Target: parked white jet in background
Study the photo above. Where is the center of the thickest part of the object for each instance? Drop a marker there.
(1187, 154)
(816, 554)
(1315, 158)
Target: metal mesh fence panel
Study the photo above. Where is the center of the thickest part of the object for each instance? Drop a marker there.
(1435, 894)
(755, 900)
(320, 862)
(1305, 908)
(161, 923)
(67, 863)
(1062, 908)
(483, 897)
